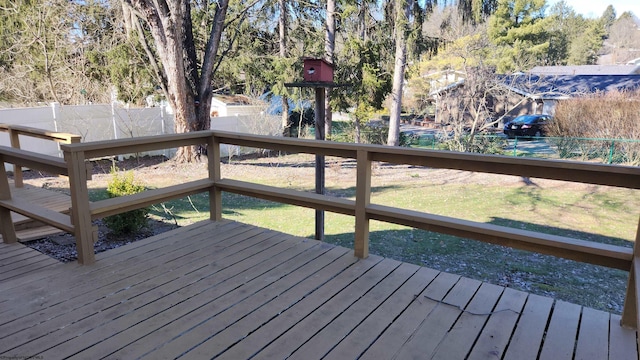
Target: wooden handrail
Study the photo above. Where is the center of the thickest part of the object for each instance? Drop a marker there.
(14, 136)
(77, 154)
(288, 196)
(589, 173)
(105, 148)
(23, 158)
(118, 205)
(617, 257)
(60, 137)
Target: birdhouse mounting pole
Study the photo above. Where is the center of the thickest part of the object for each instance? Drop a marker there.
(320, 163)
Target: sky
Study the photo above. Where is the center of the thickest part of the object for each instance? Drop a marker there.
(595, 8)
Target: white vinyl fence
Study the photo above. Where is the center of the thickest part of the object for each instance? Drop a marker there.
(109, 121)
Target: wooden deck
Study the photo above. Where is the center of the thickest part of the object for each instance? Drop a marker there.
(233, 291)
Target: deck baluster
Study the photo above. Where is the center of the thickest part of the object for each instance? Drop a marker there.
(215, 194)
(17, 169)
(363, 199)
(7, 229)
(80, 210)
(631, 310)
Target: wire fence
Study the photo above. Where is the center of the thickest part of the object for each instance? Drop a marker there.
(609, 151)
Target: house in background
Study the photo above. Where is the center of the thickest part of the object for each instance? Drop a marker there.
(629, 69)
(234, 105)
(538, 91)
(539, 94)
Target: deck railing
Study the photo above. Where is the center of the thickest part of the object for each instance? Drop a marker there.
(76, 157)
(15, 131)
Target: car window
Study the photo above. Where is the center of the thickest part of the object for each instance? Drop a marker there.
(522, 120)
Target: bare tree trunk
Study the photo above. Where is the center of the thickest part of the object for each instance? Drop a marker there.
(282, 27)
(187, 90)
(362, 13)
(329, 50)
(208, 62)
(401, 25)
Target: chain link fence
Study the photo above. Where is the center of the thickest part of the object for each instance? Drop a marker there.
(608, 151)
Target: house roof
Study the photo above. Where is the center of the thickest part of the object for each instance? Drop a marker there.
(586, 70)
(565, 86)
(446, 88)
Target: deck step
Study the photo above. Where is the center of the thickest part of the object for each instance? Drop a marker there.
(37, 233)
(39, 213)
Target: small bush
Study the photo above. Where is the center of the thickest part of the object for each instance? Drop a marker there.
(132, 221)
(611, 115)
(477, 144)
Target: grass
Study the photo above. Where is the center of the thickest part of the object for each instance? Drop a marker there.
(594, 213)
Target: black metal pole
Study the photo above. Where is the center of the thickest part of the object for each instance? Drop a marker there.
(320, 164)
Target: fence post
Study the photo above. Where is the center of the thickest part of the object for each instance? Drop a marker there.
(515, 146)
(611, 150)
(7, 229)
(630, 311)
(363, 199)
(80, 210)
(215, 195)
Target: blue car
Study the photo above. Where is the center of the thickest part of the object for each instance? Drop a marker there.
(527, 126)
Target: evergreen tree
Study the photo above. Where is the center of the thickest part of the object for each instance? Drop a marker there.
(564, 28)
(584, 49)
(363, 62)
(519, 29)
(608, 18)
(475, 11)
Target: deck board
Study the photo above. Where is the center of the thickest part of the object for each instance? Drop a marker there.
(227, 290)
(593, 336)
(495, 336)
(402, 330)
(438, 322)
(529, 333)
(560, 340)
(622, 342)
(460, 339)
(359, 340)
(223, 304)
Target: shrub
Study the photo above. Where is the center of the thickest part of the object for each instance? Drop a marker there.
(132, 221)
(611, 115)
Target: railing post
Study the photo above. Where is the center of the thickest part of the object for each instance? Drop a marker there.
(14, 137)
(7, 230)
(363, 199)
(631, 309)
(215, 195)
(80, 210)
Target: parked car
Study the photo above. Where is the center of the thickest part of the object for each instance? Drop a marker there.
(527, 125)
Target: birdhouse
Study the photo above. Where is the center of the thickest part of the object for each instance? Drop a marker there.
(318, 70)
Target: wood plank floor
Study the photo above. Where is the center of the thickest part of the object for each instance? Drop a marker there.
(233, 291)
